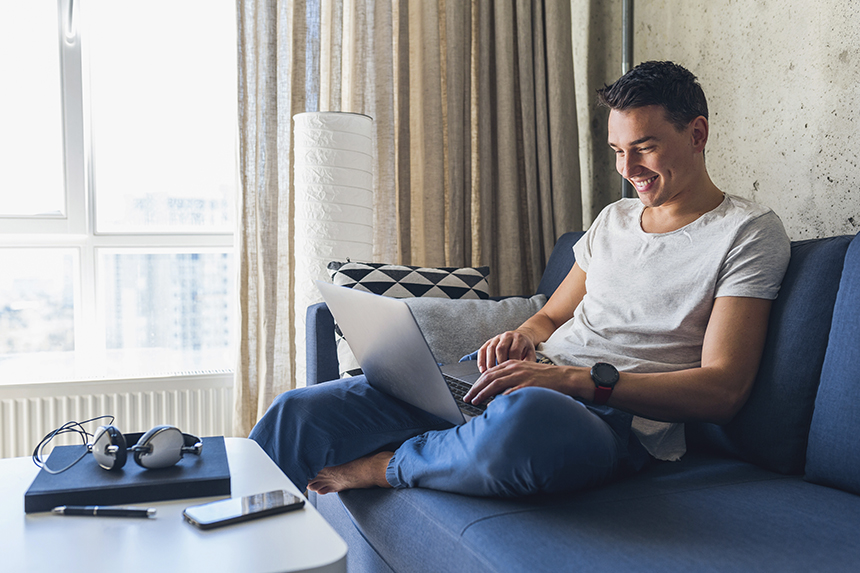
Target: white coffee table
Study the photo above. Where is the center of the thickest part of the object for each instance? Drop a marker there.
(295, 541)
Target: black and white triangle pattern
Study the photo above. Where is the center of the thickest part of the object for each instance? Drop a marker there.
(400, 281)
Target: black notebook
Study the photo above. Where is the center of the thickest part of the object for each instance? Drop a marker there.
(86, 483)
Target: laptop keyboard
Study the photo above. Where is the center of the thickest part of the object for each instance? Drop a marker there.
(459, 389)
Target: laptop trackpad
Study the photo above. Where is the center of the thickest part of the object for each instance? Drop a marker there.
(466, 371)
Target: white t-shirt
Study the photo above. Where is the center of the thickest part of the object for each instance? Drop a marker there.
(649, 295)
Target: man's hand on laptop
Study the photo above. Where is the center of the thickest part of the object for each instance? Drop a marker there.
(511, 345)
(515, 374)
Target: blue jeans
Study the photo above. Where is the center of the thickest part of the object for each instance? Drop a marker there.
(531, 441)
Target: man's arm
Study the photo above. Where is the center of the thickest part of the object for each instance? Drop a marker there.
(715, 392)
(520, 344)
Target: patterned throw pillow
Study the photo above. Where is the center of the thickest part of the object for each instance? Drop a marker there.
(400, 281)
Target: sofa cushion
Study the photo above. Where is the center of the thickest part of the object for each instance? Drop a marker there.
(455, 327)
(680, 516)
(401, 281)
(833, 456)
(772, 428)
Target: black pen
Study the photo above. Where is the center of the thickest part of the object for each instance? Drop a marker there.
(104, 511)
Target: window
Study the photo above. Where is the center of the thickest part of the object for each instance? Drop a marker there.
(31, 145)
(118, 177)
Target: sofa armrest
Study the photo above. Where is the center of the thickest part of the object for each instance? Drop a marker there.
(322, 364)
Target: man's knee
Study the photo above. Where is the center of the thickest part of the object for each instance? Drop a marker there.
(538, 414)
(292, 410)
(545, 441)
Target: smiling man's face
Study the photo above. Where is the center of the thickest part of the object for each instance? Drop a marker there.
(663, 164)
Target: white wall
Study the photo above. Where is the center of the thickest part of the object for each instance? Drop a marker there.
(783, 87)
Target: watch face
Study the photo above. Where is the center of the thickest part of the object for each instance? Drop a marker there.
(605, 374)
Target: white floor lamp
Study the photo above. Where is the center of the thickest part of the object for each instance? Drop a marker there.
(333, 176)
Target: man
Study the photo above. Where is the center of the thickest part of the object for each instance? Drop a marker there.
(661, 320)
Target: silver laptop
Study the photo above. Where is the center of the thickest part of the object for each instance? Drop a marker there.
(395, 356)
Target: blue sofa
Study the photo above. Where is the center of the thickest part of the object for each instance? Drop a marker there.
(776, 489)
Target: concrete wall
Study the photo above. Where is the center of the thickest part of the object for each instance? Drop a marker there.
(783, 85)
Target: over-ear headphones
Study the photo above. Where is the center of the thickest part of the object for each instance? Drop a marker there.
(160, 447)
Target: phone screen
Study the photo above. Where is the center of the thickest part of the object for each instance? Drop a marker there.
(235, 510)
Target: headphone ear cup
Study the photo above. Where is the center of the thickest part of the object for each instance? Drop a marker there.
(143, 447)
(118, 440)
(160, 447)
(109, 448)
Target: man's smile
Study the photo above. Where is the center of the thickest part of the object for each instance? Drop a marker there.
(643, 183)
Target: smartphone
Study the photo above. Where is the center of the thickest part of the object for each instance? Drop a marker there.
(237, 509)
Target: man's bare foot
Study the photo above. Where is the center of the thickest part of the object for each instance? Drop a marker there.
(359, 474)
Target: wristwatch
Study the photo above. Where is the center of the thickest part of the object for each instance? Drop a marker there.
(605, 377)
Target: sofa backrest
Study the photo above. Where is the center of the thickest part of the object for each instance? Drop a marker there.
(772, 429)
(833, 456)
(559, 264)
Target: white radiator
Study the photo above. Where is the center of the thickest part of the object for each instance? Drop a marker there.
(200, 404)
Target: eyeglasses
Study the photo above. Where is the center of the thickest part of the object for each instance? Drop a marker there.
(160, 447)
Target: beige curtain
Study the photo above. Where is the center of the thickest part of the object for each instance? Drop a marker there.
(475, 136)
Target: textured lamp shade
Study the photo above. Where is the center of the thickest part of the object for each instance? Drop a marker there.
(333, 175)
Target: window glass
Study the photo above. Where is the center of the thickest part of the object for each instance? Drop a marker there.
(163, 114)
(37, 301)
(168, 312)
(31, 136)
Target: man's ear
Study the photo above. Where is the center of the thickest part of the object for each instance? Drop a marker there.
(699, 133)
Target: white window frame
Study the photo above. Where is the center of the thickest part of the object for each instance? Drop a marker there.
(77, 227)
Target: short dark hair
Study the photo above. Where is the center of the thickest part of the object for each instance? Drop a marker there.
(658, 83)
